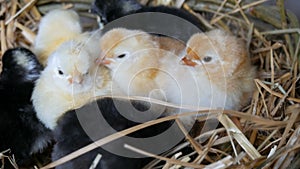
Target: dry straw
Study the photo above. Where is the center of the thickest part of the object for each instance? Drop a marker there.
(264, 134)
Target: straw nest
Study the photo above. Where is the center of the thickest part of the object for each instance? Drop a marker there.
(264, 134)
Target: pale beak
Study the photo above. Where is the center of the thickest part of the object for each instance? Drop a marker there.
(104, 61)
(76, 78)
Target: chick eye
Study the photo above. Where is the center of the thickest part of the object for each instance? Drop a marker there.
(207, 59)
(122, 55)
(60, 72)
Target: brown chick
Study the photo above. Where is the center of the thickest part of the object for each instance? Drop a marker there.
(56, 27)
(220, 63)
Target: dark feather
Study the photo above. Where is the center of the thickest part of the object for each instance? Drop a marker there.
(20, 129)
(17, 80)
(110, 10)
(71, 134)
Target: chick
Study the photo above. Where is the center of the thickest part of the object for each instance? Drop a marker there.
(20, 129)
(21, 64)
(110, 10)
(80, 127)
(70, 79)
(133, 58)
(56, 27)
(222, 68)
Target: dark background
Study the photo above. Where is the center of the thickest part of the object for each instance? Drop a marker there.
(293, 5)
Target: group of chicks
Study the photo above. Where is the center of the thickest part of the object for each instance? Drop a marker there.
(43, 94)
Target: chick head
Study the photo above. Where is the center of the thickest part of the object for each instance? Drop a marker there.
(69, 19)
(62, 25)
(215, 52)
(118, 45)
(70, 67)
(20, 65)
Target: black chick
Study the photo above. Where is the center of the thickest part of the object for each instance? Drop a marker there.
(110, 10)
(20, 129)
(70, 135)
(20, 70)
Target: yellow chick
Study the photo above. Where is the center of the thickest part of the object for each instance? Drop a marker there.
(55, 27)
(224, 74)
(133, 58)
(70, 79)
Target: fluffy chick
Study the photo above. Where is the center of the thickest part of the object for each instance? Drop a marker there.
(21, 64)
(133, 58)
(220, 64)
(110, 10)
(20, 129)
(70, 134)
(56, 27)
(70, 79)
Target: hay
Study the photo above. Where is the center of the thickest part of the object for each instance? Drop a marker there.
(265, 134)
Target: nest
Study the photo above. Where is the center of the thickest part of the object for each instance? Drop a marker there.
(264, 134)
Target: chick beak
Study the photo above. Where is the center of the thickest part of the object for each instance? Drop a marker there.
(188, 62)
(104, 61)
(76, 78)
(190, 54)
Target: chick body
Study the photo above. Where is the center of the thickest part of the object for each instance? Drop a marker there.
(70, 135)
(21, 131)
(70, 79)
(178, 82)
(56, 27)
